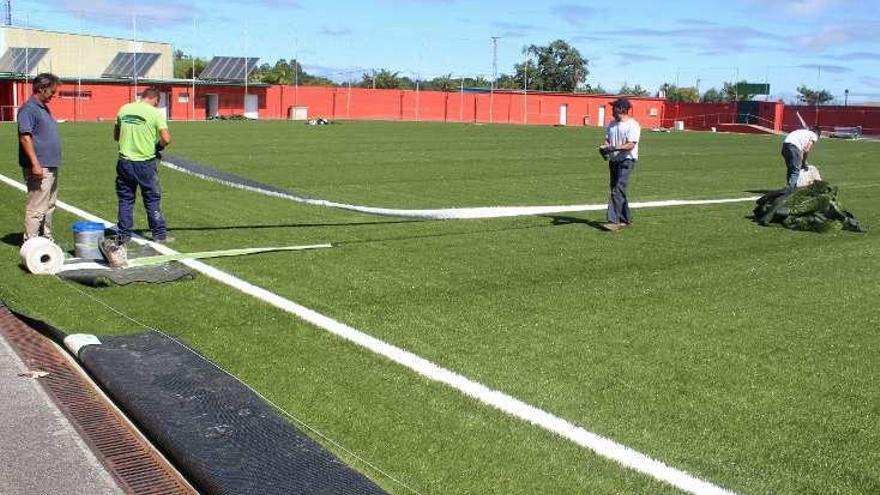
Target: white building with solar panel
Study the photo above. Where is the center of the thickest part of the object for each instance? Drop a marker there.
(70, 56)
(101, 73)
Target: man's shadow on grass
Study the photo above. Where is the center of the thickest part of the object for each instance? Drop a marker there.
(566, 220)
(12, 238)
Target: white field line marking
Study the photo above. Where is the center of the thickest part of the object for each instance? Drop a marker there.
(453, 213)
(600, 445)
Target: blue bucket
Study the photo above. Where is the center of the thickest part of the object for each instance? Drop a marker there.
(87, 237)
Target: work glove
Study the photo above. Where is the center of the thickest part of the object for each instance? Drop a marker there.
(159, 148)
(605, 152)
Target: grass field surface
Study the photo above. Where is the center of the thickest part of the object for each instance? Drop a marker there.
(746, 356)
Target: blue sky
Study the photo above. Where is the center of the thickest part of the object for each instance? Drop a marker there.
(832, 44)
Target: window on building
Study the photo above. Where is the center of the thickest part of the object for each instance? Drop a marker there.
(183, 98)
(75, 94)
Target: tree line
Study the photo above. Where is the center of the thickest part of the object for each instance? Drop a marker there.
(555, 67)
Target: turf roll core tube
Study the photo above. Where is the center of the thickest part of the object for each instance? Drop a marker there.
(41, 256)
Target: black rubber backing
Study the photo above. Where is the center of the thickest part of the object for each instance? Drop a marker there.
(202, 169)
(154, 274)
(221, 435)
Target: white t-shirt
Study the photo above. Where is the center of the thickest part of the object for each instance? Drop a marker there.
(801, 138)
(619, 133)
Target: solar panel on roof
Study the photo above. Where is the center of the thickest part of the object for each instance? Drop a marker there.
(229, 68)
(128, 64)
(21, 60)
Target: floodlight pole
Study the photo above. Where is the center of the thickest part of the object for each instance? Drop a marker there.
(845, 97)
(8, 12)
(134, 65)
(526, 89)
(818, 86)
(27, 61)
(736, 85)
(77, 97)
(494, 76)
(192, 56)
(246, 73)
(296, 72)
(461, 100)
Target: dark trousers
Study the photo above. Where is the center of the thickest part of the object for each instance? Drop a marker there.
(130, 176)
(794, 159)
(618, 206)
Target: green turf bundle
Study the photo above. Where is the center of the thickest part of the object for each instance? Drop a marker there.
(813, 208)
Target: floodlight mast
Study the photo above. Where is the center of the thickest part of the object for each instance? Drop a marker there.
(192, 56)
(494, 76)
(8, 12)
(246, 73)
(134, 40)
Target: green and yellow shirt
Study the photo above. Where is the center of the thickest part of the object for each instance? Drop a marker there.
(139, 126)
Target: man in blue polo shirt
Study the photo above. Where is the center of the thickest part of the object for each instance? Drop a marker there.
(39, 154)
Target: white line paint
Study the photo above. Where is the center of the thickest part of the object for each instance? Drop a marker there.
(602, 446)
(454, 213)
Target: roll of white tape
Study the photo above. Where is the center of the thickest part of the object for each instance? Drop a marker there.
(75, 342)
(41, 256)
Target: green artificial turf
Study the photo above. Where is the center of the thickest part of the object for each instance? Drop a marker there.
(745, 355)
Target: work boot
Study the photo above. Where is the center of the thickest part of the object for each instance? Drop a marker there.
(612, 226)
(165, 240)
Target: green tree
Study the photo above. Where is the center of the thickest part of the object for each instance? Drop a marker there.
(712, 95)
(508, 81)
(559, 67)
(476, 82)
(527, 70)
(183, 65)
(593, 90)
(636, 90)
(674, 94)
(382, 79)
(286, 72)
(813, 96)
(442, 83)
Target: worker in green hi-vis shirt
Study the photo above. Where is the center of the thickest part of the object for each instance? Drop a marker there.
(142, 132)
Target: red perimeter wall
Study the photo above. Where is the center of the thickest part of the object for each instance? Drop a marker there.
(101, 100)
(438, 106)
(828, 117)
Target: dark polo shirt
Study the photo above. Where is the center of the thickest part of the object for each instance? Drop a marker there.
(35, 119)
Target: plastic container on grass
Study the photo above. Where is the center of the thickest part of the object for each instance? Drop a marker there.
(87, 237)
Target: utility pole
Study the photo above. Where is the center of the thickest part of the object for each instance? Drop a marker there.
(495, 59)
(494, 76)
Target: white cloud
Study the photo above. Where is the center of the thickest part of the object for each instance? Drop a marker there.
(810, 7)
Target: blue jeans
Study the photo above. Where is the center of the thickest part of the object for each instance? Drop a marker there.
(129, 176)
(618, 206)
(793, 161)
